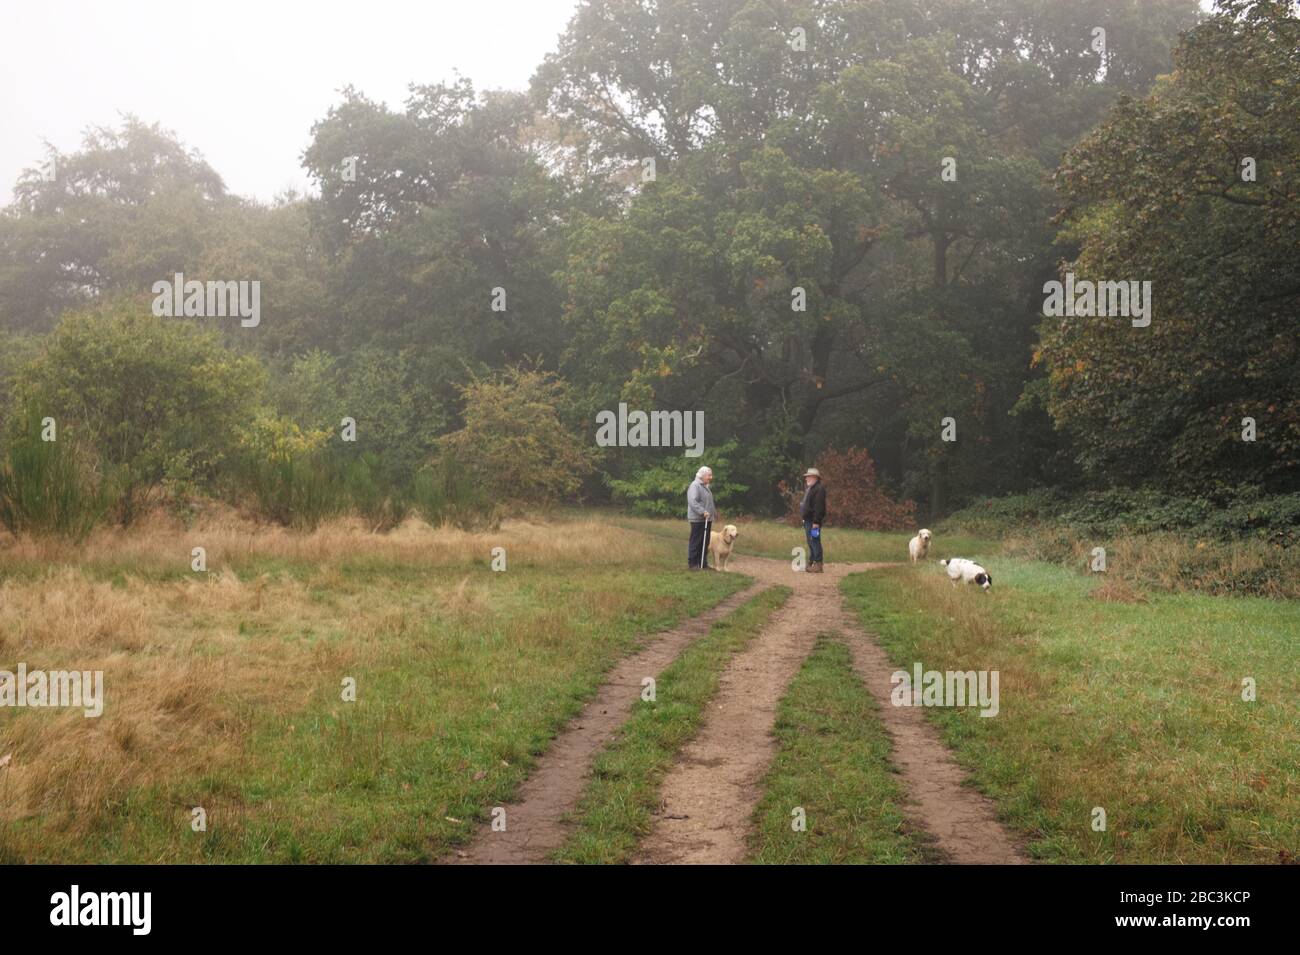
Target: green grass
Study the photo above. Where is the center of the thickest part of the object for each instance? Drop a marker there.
(1132, 707)
(833, 761)
(766, 538)
(615, 811)
(454, 706)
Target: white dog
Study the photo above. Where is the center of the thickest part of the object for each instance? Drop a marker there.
(720, 546)
(919, 545)
(968, 572)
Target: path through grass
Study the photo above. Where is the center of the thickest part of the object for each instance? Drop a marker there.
(615, 811)
(833, 764)
(1135, 708)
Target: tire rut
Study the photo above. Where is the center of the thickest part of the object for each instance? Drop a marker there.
(535, 824)
(709, 796)
(962, 820)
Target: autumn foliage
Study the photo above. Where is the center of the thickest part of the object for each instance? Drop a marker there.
(853, 497)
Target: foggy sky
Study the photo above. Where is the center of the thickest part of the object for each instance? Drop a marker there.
(243, 82)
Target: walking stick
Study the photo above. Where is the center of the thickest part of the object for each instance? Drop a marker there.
(704, 549)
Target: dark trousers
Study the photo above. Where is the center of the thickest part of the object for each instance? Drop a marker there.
(814, 544)
(698, 544)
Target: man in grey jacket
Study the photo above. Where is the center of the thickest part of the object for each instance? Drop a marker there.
(701, 513)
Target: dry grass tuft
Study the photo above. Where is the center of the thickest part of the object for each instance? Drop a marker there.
(1116, 591)
(161, 716)
(64, 610)
(1174, 563)
(158, 543)
(465, 598)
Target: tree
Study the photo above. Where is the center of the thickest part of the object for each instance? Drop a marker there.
(428, 213)
(155, 399)
(817, 166)
(515, 441)
(1160, 193)
(131, 207)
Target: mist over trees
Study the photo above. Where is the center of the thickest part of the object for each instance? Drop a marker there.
(647, 215)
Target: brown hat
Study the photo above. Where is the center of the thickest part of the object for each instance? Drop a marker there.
(812, 472)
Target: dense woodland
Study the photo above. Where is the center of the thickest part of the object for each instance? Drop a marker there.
(482, 272)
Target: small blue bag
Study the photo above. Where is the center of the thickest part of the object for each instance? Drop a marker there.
(816, 532)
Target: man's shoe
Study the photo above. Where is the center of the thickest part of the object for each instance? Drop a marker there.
(815, 567)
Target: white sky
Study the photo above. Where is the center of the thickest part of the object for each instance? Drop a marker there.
(243, 82)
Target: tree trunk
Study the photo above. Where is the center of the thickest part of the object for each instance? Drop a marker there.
(938, 489)
(941, 243)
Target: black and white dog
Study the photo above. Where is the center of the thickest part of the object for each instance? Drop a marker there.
(968, 572)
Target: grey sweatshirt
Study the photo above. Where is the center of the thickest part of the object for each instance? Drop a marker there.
(698, 500)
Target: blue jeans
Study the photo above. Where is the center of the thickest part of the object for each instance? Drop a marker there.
(814, 544)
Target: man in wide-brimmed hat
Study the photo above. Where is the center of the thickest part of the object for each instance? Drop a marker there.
(813, 512)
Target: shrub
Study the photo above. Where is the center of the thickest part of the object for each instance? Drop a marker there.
(660, 491)
(299, 491)
(380, 502)
(1226, 514)
(1170, 562)
(301, 477)
(443, 493)
(292, 478)
(853, 498)
(514, 442)
(51, 487)
(1233, 541)
(156, 399)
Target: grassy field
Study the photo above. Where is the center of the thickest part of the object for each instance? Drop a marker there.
(223, 689)
(832, 762)
(615, 811)
(1116, 699)
(775, 539)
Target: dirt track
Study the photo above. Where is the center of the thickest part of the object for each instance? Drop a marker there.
(709, 796)
(962, 821)
(534, 825)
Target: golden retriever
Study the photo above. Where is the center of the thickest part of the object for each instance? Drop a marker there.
(919, 546)
(720, 545)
